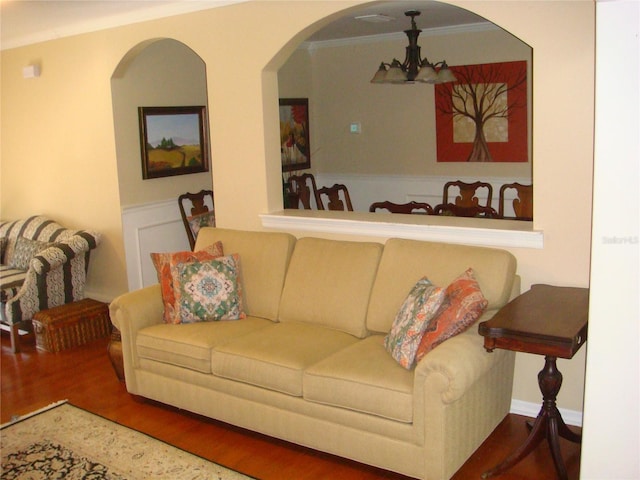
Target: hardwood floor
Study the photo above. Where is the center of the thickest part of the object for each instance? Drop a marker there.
(33, 379)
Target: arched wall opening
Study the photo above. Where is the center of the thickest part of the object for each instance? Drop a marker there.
(393, 156)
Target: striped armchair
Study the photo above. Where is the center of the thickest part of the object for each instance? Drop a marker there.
(43, 265)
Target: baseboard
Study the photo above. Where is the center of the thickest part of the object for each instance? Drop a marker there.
(528, 409)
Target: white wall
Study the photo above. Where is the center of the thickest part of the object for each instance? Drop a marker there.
(611, 441)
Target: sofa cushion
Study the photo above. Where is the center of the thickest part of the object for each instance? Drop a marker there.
(264, 256)
(404, 262)
(168, 284)
(329, 283)
(25, 250)
(189, 345)
(209, 290)
(464, 305)
(276, 358)
(415, 315)
(364, 378)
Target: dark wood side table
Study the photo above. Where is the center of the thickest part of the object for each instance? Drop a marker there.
(549, 321)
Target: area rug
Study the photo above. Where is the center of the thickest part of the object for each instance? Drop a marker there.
(63, 441)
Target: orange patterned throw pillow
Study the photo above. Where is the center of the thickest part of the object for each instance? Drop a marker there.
(163, 262)
(463, 305)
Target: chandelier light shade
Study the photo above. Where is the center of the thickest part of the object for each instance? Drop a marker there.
(414, 68)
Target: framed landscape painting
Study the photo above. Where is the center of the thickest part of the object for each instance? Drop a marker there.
(173, 141)
(294, 134)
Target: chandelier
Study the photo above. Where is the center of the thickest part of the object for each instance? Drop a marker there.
(414, 68)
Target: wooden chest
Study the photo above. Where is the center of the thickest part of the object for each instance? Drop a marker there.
(71, 325)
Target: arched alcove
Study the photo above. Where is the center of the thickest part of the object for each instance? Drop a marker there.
(155, 73)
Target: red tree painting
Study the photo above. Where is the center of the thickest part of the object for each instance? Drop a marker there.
(482, 117)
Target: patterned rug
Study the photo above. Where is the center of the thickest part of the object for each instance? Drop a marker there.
(62, 441)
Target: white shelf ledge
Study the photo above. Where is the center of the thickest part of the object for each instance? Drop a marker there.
(469, 231)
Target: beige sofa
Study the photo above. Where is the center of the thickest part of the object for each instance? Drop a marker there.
(308, 364)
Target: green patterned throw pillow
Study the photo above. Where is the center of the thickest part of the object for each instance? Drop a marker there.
(421, 305)
(210, 290)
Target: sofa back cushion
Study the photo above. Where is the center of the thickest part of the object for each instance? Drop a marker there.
(264, 257)
(329, 283)
(404, 262)
(42, 229)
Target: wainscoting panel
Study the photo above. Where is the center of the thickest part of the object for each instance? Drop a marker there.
(155, 227)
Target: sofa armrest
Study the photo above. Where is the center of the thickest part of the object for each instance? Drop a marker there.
(64, 251)
(135, 310)
(130, 313)
(460, 362)
(57, 275)
(461, 393)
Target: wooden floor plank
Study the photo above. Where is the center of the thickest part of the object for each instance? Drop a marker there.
(83, 375)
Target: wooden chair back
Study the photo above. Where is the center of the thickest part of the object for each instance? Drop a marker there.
(454, 210)
(467, 203)
(411, 207)
(305, 187)
(468, 193)
(522, 204)
(333, 194)
(191, 205)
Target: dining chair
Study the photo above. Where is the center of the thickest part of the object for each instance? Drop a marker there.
(453, 210)
(304, 186)
(411, 207)
(333, 195)
(467, 203)
(195, 213)
(522, 203)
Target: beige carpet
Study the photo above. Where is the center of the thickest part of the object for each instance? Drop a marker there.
(62, 441)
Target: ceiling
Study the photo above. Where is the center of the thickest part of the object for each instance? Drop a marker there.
(433, 15)
(24, 22)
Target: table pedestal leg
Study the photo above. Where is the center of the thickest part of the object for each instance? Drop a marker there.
(548, 424)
